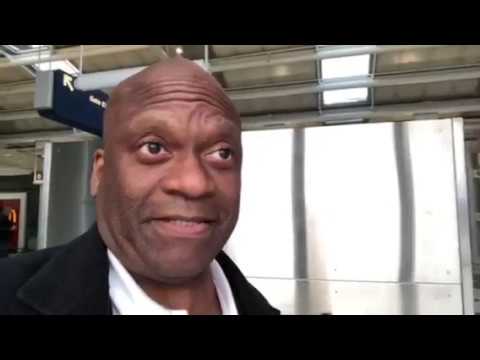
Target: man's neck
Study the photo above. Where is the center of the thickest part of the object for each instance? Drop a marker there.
(198, 296)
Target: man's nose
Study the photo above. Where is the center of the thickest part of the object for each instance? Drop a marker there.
(188, 177)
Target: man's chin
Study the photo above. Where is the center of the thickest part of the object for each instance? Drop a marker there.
(176, 270)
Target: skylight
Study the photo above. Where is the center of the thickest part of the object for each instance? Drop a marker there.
(22, 53)
(345, 66)
(350, 66)
(25, 49)
(63, 65)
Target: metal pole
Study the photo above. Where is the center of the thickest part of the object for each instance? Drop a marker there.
(206, 57)
(44, 200)
(81, 59)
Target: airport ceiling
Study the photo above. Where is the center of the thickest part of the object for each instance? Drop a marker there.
(271, 85)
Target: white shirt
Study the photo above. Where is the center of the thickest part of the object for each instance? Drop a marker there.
(129, 299)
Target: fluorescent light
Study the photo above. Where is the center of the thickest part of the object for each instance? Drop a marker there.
(346, 121)
(345, 66)
(348, 66)
(345, 96)
(63, 65)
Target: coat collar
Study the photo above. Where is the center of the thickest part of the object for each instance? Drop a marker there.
(75, 281)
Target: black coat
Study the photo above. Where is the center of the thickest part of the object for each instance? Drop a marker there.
(73, 280)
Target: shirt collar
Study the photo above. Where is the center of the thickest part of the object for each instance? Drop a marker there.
(128, 298)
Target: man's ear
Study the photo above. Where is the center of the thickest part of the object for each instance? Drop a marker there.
(97, 172)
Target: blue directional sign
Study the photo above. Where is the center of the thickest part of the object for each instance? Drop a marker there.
(57, 99)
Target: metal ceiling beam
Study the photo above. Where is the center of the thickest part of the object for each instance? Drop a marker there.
(17, 160)
(159, 51)
(72, 54)
(357, 82)
(12, 58)
(17, 88)
(109, 79)
(380, 113)
(19, 115)
(425, 110)
(13, 171)
(221, 65)
(465, 105)
(472, 124)
(59, 136)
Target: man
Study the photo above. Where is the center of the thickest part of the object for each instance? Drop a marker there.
(167, 191)
(6, 228)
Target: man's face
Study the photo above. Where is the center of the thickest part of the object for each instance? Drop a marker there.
(168, 188)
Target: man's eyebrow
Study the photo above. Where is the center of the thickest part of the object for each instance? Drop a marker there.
(147, 121)
(154, 120)
(226, 125)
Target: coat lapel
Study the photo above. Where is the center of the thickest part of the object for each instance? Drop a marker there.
(249, 300)
(74, 281)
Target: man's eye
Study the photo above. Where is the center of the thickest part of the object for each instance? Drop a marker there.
(153, 148)
(224, 154)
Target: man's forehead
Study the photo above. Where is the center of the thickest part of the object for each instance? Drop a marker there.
(174, 80)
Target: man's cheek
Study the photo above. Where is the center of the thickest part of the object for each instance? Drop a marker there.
(230, 200)
(129, 179)
(231, 187)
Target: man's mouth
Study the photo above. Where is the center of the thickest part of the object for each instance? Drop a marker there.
(181, 226)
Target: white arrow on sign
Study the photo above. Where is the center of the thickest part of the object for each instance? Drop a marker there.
(67, 81)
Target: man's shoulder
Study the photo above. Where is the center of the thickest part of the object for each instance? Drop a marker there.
(17, 270)
(23, 266)
(249, 300)
(68, 279)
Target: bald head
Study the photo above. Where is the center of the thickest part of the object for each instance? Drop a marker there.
(167, 183)
(175, 79)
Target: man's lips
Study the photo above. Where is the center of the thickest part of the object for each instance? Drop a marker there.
(183, 226)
